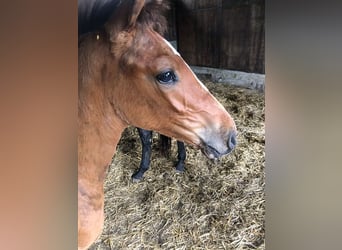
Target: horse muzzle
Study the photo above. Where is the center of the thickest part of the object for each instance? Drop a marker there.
(215, 147)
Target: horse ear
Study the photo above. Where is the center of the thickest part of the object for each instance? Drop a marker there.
(125, 16)
(138, 5)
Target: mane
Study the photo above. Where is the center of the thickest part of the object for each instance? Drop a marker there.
(93, 14)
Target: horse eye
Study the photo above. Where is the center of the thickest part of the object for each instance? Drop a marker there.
(167, 77)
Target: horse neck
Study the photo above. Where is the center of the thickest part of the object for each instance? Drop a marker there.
(100, 127)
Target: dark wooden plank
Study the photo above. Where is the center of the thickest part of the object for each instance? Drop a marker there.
(198, 37)
(186, 35)
(171, 33)
(243, 36)
(202, 4)
(257, 39)
(207, 38)
(225, 34)
(190, 4)
(234, 40)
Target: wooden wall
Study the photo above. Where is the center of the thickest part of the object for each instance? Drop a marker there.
(226, 34)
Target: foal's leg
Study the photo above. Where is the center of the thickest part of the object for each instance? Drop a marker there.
(165, 146)
(181, 157)
(146, 141)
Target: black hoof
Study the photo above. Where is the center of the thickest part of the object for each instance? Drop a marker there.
(135, 180)
(137, 177)
(180, 168)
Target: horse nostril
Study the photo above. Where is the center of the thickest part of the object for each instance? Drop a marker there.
(231, 140)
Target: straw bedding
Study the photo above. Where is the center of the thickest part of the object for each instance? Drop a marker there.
(212, 205)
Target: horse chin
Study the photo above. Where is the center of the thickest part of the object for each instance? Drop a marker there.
(210, 152)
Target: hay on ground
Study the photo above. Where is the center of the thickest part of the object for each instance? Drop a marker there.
(212, 205)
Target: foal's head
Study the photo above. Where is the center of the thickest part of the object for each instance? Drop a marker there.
(152, 87)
